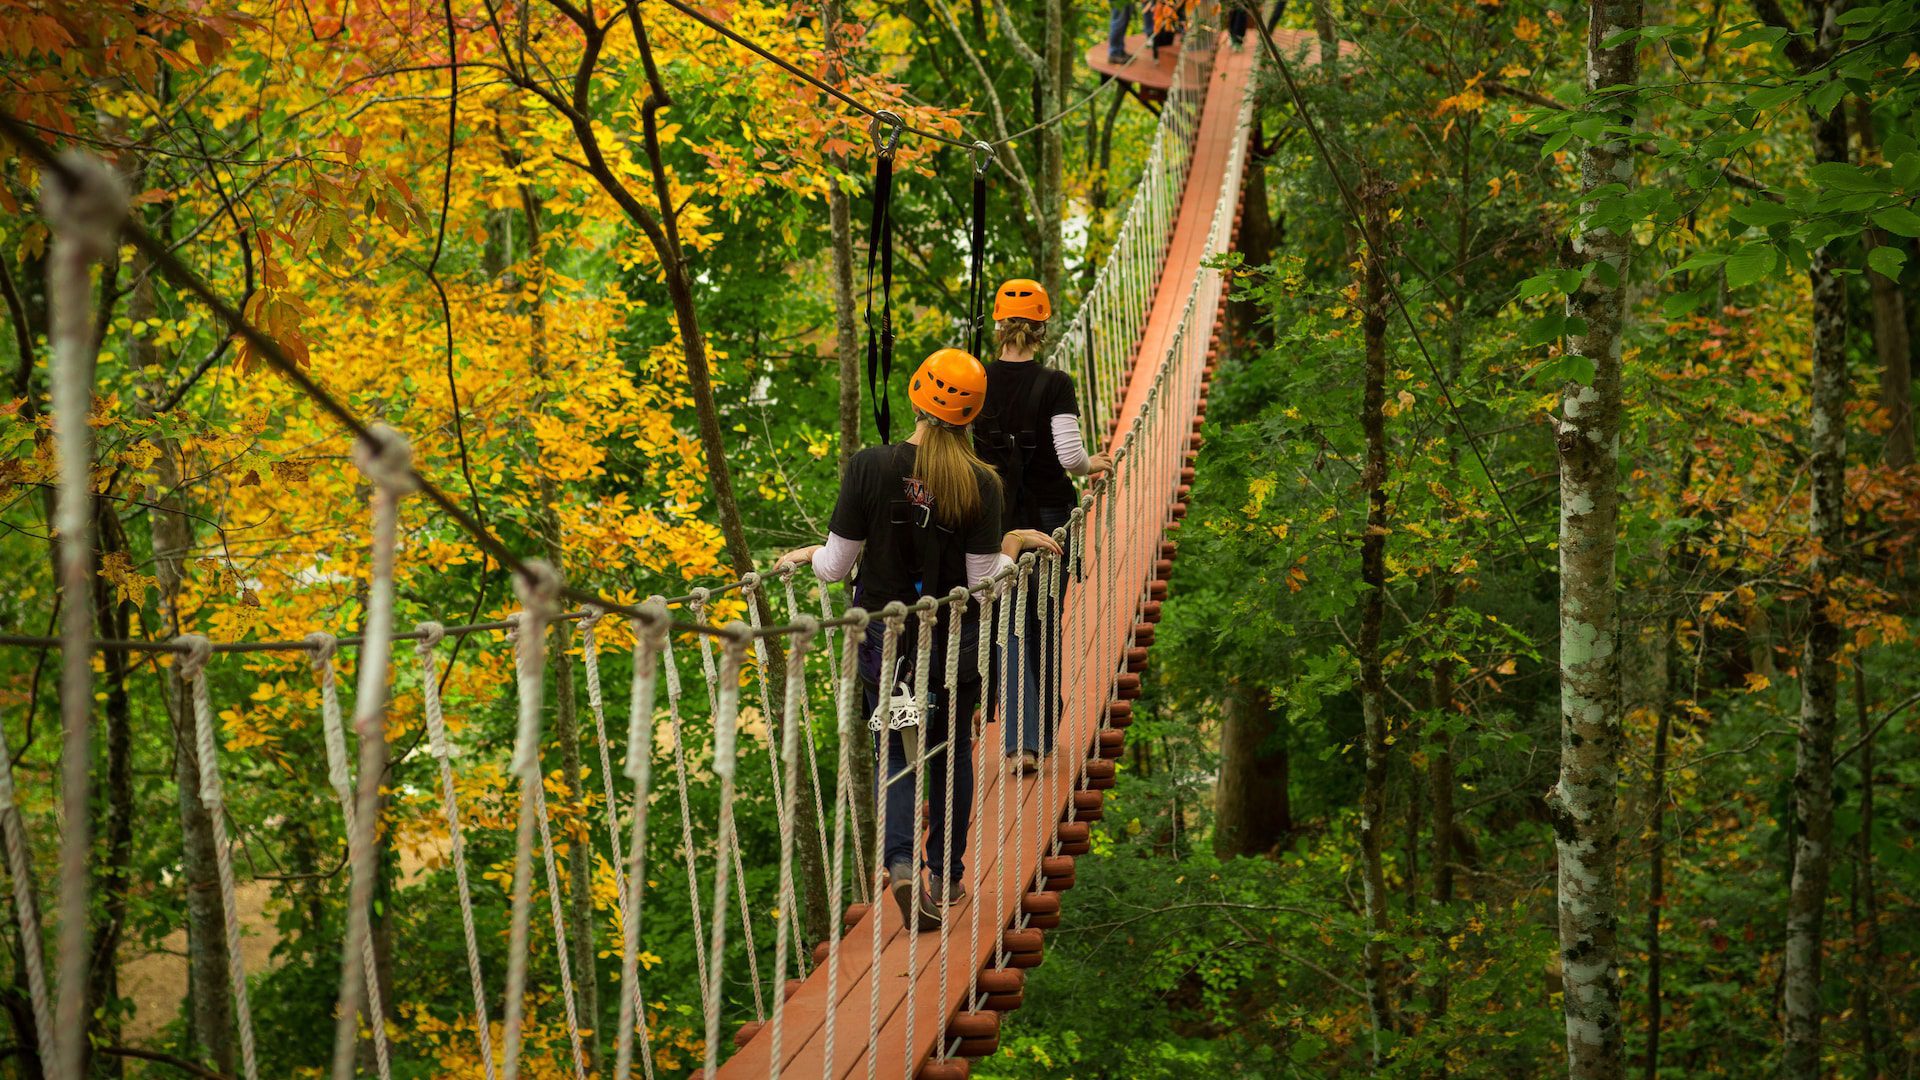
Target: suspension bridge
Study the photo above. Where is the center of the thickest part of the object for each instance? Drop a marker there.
(872, 999)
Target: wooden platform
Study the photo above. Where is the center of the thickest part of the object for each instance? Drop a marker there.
(1153, 76)
(1007, 845)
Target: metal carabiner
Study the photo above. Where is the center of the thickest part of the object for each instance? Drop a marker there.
(982, 158)
(895, 126)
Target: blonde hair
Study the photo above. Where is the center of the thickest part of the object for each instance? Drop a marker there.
(952, 473)
(1021, 335)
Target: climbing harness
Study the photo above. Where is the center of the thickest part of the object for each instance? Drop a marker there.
(880, 245)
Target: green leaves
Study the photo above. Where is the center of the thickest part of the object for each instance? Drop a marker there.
(1845, 176)
(1763, 215)
(1750, 264)
(1887, 260)
(1898, 220)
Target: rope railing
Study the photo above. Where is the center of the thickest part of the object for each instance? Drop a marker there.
(1082, 604)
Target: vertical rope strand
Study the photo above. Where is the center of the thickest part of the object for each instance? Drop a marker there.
(726, 717)
(85, 220)
(431, 634)
(687, 852)
(896, 618)
(849, 686)
(340, 778)
(790, 762)
(20, 868)
(649, 639)
(538, 603)
(387, 461)
(956, 613)
(193, 668)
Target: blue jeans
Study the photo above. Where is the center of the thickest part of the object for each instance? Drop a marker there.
(897, 795)
(1031, 714)
(1117, 27)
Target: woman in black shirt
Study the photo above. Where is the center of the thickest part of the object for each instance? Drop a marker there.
(1029, 431)
(920, 518)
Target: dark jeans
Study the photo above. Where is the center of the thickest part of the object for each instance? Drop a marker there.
(1030, 719)
(946, 841)
(1117, 27)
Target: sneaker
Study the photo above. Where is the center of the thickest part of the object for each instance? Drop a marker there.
(923, 915)
(1122, 57)
(1026, 763)
(945, 891)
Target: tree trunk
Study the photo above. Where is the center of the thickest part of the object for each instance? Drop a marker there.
(1373, 606)
(860, 784)
(566, 717)
(664, 234)
(1053, 152)
(1253, 812)
(1657, 855)
(209, 1013)
(1255, 245)
(1813, 755)
(1892, 340)
(1439, 747)
(112, 616)
(1866, 902)
(1583, 802)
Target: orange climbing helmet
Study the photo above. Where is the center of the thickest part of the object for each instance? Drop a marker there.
(1022, 298)
(949, 386)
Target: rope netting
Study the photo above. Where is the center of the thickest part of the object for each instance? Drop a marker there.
(777, 986)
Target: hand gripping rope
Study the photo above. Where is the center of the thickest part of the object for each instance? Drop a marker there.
(976, 293)
(880, 244)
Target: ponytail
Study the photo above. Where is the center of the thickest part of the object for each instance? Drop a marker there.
(952, 473)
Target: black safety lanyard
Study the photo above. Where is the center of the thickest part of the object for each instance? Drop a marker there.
(976, 284)
(880, 243)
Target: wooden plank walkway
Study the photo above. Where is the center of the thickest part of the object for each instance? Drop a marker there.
(1008, 844)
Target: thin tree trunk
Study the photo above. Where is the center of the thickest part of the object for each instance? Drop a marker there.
(1252, 810)
(566, 719)
(1866, 901)
(1892, 340)
(112, 616)
(1583, 803)
(1813, 756)
(860, 784)
(1053, 153)
(209, 1013)
(1440, 784)
(1657, 855)
(807, 840)
(1373, 606)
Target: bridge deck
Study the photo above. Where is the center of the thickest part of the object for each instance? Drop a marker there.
(1007, 842)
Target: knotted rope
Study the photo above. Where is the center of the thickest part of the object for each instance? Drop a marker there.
(563, 953)
(193, 668)
(911, 741)
(846, 689)
(590, 659)
(649, 641)
(956, 614)
(387, 461)
(340, 778)
(431, 634)
(790, 760)
(895, 616)
(730, 836)
(539, 600)
(13, 831)
(789, 908)
(686, 812)
(726, 717)
(85, 217)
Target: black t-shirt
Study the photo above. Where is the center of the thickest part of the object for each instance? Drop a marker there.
(883, 505)
(1015, 435)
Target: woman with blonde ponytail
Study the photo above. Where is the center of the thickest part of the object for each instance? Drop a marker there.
(919, 518)
(1029, 431)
